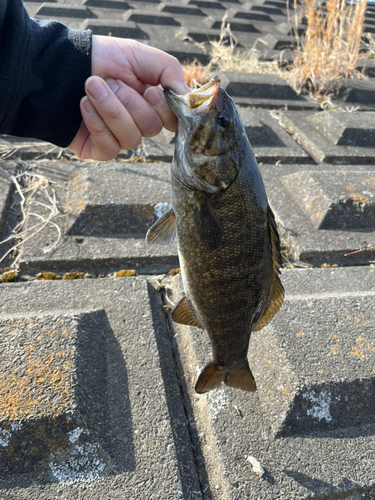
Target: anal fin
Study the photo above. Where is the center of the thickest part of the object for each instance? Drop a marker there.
(184, 314)
(164, 230)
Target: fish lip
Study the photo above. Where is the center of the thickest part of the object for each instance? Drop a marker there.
(195, 101)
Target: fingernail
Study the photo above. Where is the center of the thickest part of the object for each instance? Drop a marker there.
(181, 89)
(88, 107)
(96, 89)
(113, 85)
(186, 88)
(154, 96)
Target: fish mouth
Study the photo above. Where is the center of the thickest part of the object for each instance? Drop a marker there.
(198, 99)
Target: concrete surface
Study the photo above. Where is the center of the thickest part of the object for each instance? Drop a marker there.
(97, 393)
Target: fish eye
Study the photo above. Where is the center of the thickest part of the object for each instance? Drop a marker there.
(224, 120)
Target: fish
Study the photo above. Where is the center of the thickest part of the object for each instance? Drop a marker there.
(227, 238)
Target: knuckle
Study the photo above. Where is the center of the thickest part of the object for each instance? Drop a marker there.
(132, 142)
(153, 130)
(114, 113)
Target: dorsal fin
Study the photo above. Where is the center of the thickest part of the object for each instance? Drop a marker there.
(164, 230)
(277, 290)
(184, 314)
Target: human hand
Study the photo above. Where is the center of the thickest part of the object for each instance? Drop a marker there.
(129, 104)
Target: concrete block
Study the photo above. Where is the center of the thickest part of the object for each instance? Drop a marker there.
(137, 457)
(333, 137)
(269, 141)
(150, 18)
(358, 92)
(252, 16)
(185, 52)
(315, 365)
(119, 29)
(53, 389)
(267, 10)
(205, 36)
(189, 10)
(235, 26)
(6, 171)
(268, 91)
(106, 212)
(205, 4)
(326, 453)
(325, 214)
(52, 11)
(107, 4)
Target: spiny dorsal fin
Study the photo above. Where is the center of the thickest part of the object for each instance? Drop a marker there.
(164, 230)
(207, 223)
(277, 290)
(184, 314)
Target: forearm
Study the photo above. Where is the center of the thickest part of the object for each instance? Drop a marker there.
(43, 68)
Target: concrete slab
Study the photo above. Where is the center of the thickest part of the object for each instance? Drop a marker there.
(6, 171)
(137, 456)
(104, 215)
(264, 91)
(268, 139)
(333, 137)
(53, 390)
(325, 214)
(359, 93)
(183, 51)
(54, 11)
(117, 28)
(331, 456)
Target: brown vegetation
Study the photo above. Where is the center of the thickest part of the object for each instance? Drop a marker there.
(328, 53)
(330, 50)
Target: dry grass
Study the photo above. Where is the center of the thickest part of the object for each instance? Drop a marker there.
(226, 57)
(195, 74)
(330, 50)
(327, 54)
(29, 186)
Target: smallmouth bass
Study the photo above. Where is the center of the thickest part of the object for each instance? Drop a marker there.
(228, 243)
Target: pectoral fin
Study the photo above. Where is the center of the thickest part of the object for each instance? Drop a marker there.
(207, 223)
(184, 314)
(164, 230)
(277, 290)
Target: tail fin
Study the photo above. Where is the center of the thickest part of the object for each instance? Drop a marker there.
(212, 376)
(241, 379)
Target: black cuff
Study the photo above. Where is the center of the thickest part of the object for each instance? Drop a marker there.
(54, 65)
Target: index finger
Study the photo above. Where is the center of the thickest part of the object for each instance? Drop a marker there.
(154, 67)
(136, 64)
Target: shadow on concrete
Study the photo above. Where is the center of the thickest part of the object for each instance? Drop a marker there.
(191, 464)
(104, 445)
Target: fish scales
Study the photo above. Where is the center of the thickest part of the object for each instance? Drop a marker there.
(227, 239)
(221, 282)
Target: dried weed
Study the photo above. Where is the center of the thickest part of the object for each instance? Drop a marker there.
(331, 48)
(327, 54)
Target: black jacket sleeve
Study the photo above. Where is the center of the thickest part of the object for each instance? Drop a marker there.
(43, 68)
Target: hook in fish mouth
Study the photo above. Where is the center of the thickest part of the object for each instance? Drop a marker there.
(198, 96)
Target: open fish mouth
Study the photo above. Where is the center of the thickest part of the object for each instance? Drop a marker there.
(194, 99)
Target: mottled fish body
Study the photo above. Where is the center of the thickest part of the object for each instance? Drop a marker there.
(228, 244)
